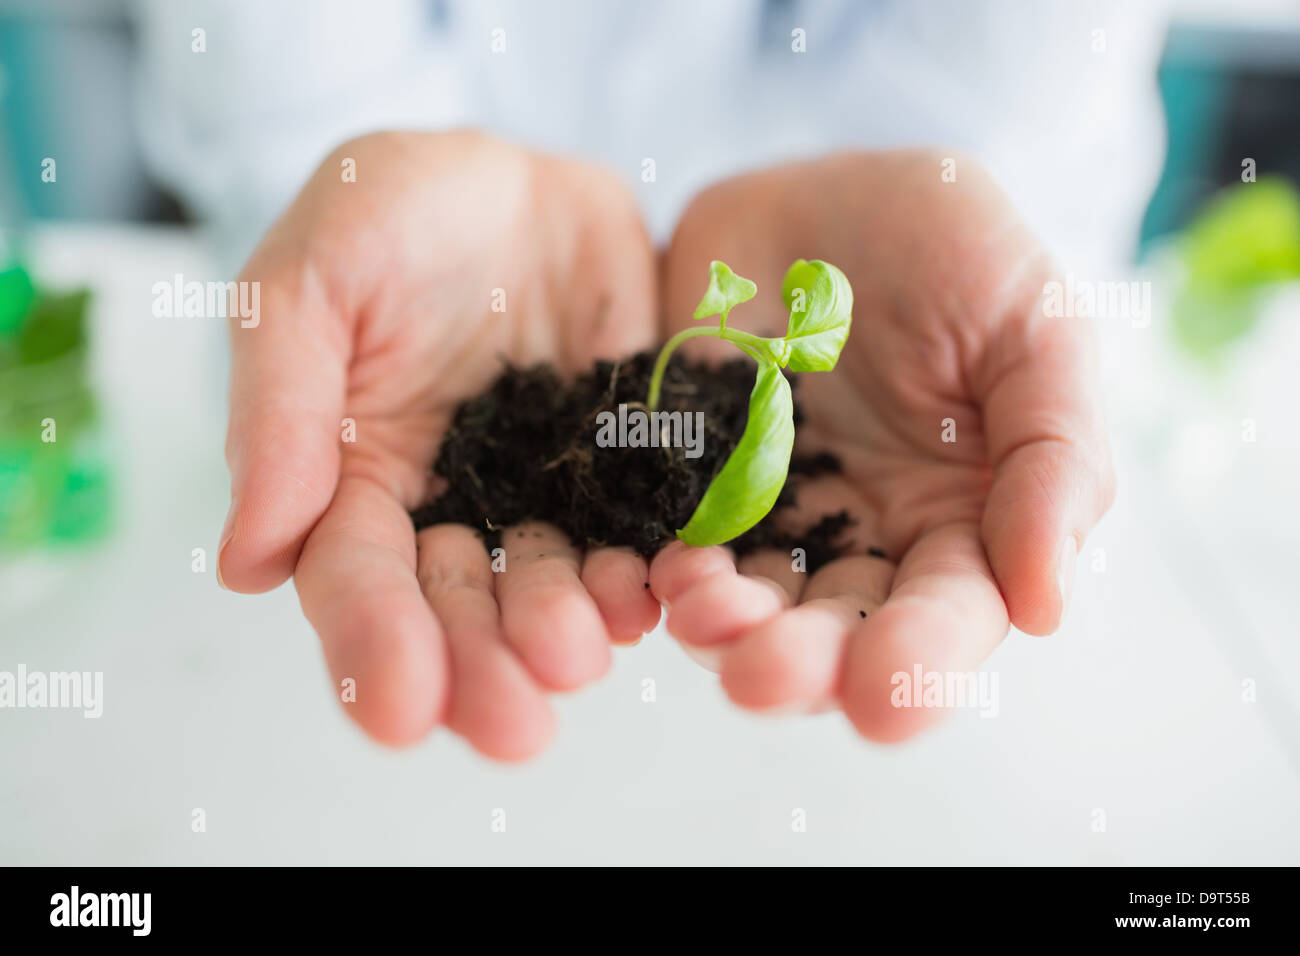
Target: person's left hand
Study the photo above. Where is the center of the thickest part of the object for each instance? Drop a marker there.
(966, 420)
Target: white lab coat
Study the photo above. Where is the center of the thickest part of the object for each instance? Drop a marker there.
(1057, 97)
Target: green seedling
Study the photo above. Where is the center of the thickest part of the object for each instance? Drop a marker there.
(821, 305)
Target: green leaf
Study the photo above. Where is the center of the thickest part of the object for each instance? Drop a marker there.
(746, 488)
(726, 291)
(820, 301)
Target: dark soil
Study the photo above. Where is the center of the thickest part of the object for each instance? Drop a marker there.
(526, 449)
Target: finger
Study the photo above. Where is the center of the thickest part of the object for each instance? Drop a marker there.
(356, 582)
(777, 567)
(720, 607)
(287, 382)
(679, 566)
(860, 582)
(943, 616)
(792, 661)
(618, 580)
(549, 618)
(1052, 476)
(495, 704)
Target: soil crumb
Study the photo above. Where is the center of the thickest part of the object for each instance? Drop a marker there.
(526, 449)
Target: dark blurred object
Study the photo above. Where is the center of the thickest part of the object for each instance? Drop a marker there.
(1230, 94)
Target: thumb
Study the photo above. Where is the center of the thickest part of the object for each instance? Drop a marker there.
(1052, 477)
(288, 375)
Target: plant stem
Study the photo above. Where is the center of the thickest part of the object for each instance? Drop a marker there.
(755, 345)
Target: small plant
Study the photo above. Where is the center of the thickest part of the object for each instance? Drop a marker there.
(821, 304)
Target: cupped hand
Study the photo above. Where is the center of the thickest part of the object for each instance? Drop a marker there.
(384, 301)
(966, 419)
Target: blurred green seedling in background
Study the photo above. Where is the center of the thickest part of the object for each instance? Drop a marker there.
(53, 476)
(1246, 240)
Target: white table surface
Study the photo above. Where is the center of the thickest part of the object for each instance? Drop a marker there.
(221, 701)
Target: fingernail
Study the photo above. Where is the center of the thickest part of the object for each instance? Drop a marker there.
(1065, 570)
(227, 532)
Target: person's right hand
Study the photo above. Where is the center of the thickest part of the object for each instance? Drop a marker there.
(966, 416)
(376, 306)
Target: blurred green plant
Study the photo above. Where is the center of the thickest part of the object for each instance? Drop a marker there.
(16, 295)
(1246, 240)
(50, 491)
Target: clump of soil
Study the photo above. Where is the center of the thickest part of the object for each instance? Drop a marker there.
(526, 449)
